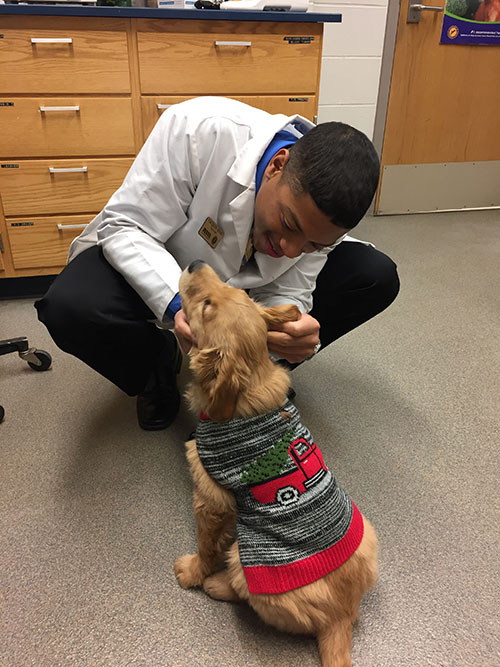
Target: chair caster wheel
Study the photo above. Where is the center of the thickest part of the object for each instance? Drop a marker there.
(44, 358)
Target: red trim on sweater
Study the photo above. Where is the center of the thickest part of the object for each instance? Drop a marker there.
(267, 579)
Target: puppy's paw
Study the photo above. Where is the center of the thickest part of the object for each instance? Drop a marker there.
(188, 571)
(219, 587)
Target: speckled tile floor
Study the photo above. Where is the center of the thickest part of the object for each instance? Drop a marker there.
(406, 410)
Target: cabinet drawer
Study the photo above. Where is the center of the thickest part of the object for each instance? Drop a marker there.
(61, 126)
(154, 106)
(62, 59)
(228, 58)
(43, 242)
(32, 187)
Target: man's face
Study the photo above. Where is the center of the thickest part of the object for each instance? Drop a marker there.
(286, 224)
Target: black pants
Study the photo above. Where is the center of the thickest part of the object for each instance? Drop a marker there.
(93, 313)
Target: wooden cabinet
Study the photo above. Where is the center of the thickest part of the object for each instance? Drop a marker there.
(67, 131)
(63, 55)
(225, 58)
(61, 186)
(305, 105)
(41, 243)
(80, 95)
(64, 126)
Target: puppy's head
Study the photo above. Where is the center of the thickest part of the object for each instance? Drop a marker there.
(231, 336)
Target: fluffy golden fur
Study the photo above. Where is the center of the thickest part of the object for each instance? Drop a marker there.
(234, 377)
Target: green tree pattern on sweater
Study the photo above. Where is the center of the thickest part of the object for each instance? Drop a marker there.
(270, 464)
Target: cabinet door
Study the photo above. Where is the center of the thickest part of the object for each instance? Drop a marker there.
(61, 126)
(31, 187)
(63, 58)
(44, 242)
(154, 106)
(228, 58)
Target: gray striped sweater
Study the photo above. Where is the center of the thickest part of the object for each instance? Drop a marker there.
(295, 524)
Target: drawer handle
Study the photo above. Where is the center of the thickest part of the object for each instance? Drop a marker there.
(67, 170)
(52, 40)
(160, 107)
(219, 43)
(75, 108)
(61, 228)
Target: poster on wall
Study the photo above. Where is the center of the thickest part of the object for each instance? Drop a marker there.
(471, 22)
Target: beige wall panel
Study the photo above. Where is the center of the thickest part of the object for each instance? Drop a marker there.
(414, 188)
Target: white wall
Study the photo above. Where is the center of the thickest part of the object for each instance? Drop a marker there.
(352, 56)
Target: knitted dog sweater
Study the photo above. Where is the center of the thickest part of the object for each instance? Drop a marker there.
(295, 524)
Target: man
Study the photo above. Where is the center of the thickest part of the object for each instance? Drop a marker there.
(266, 200)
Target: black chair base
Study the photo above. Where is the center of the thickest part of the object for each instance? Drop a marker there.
(38, 360)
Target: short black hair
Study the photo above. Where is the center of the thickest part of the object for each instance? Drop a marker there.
(338, 166)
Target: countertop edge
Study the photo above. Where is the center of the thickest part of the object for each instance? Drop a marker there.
(151, 12)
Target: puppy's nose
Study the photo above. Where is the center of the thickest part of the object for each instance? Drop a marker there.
(194, 266)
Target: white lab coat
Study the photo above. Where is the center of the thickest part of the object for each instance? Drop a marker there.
(199, 161)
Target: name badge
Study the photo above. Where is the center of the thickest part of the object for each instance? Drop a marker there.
(211, 233)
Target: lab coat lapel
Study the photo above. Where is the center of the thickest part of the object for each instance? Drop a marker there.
(242, 210)
(243, 172)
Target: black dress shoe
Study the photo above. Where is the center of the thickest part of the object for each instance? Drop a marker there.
(158, 404)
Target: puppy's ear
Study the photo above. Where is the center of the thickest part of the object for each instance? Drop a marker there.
(221, 378)
(278, 314)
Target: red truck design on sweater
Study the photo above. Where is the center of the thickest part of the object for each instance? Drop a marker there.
(286, 489)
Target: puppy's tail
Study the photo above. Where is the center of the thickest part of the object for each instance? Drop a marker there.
(335, 644)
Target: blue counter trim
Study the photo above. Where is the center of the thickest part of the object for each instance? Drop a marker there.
(152, 13)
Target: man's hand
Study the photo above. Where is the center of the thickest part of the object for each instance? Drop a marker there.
(183, 331)
(294, 341)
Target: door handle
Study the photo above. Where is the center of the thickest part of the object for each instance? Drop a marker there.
(52, 40)
(224, 43)
(61, 227)
(415, 11)
(68, 170)
(75, 108)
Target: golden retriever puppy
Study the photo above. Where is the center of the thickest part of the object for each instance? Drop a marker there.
(304, 555)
